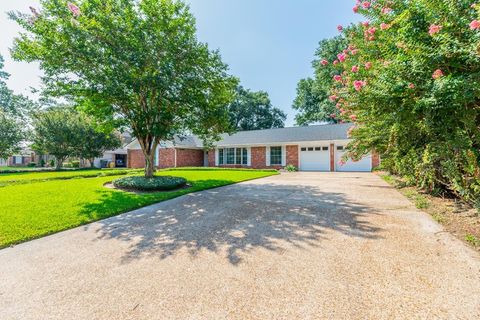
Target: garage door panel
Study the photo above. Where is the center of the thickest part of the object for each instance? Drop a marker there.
(363, 165)
(315, 158)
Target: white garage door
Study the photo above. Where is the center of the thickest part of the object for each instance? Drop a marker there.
(315, 158)
(364, 165)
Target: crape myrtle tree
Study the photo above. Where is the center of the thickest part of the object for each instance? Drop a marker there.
(134, 61)
(11, 135)
(254, 111)
(409, 79)
(313, 102)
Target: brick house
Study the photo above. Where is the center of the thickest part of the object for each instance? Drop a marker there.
(312, 148)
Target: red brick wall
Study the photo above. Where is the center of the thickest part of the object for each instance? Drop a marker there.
(135, 159)
(211, 158)
(292, 156)
(375, 160)
(190, 158)
(332, 157)
(166, 158)
(258, 157)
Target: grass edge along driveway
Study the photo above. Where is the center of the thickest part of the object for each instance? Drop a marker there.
(36, 209)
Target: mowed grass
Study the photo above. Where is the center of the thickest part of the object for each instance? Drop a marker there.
(39, 208)
(21, 177)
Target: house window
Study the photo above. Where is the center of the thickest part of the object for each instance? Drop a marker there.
(310, 149)
(318, 148)
(275, 156)
(325, 148)
(339, 148)
(233, 156)
(220, 157)
(304, 149)
(244, 156)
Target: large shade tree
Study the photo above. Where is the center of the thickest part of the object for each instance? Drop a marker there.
(254, 111)
(138, 62)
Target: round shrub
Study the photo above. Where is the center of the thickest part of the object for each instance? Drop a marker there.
(163, 183)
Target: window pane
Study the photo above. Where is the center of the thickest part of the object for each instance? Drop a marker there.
(238, 156)
(318, 148)
(325, 148)
(245, 156)
(304, 149)
(275, 155)
(310, 149)
(231, 156)
(220, 156)
(340, 148)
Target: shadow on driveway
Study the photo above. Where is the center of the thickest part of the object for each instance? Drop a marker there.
(238, 219)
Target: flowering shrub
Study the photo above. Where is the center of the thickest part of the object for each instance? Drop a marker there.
(413, 90)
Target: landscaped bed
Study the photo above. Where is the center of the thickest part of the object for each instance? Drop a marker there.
(35, 208)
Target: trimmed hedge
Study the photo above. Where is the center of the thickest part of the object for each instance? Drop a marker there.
(139, 183)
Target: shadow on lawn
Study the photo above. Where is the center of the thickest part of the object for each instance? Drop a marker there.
(236, 220)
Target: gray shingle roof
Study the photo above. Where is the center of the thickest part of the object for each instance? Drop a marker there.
(270, 136)
(286, 135)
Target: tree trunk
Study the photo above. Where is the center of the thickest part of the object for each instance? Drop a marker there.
(59, 163)
(92, 163)
(150, 164)
(149, 147)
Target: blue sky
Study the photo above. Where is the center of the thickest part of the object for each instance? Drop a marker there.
(268, 44)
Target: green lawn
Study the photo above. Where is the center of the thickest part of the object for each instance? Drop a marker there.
(36, 208)
(22, 177)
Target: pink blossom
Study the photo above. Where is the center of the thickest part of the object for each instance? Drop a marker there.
(337, 78)
(366, 4)
(353, 117)
(333, 116)
(355, 69)
(333, 98)
(475, 24)
(368, 65)
(411, 86)
(434, 28)
(74, 9)
(358, 84)
(340, 28)
(384, 26)
(342, 57)
(371, 38)
(386, 10)
(355, 9)
(366, 24)
(437, 74)
(338, 105)
(335, 62)
(324, 62)
(354, 52)
(341, 162)
(372, 30)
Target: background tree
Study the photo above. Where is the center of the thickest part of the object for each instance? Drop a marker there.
(410, 80)
(11, 135)
(138, 61)
(313, 102)
(93, 140)
(254, 111)
(56, 132)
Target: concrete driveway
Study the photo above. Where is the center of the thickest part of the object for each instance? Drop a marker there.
(295, 246)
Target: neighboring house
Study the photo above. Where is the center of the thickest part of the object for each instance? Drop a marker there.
(21, 159)
(312, 148)
(117, 157)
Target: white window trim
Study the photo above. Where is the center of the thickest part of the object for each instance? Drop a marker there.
(217, 156)
(284, 155)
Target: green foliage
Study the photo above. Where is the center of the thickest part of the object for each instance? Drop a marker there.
(291, 168)
(32, 164)
(254, 111)
(418, 101)
(312, 102)
(134, 61)
(36, 209)
(163, 183)
(11, 135)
